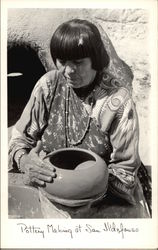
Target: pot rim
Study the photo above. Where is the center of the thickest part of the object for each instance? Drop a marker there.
(71, 149)
(88, 151)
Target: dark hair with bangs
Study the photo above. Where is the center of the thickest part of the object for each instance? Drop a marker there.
(65, 43)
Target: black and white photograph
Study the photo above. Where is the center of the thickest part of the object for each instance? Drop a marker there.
(79, 112)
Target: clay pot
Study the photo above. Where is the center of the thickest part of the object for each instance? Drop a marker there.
(81, 174)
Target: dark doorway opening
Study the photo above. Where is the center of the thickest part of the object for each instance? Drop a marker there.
(24, 69)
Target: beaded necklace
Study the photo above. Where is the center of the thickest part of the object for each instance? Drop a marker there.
(70, 142)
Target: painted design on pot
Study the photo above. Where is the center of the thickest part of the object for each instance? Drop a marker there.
(81, 175)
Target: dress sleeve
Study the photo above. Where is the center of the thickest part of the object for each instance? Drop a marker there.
(123, 133)
(28, 129)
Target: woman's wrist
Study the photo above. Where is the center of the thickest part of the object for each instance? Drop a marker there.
(19, 157)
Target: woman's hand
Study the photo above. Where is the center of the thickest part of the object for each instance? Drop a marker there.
(37, 170)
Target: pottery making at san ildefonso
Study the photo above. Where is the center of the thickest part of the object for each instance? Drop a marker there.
(81, 176)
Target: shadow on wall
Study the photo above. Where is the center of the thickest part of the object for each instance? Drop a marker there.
(24, 69)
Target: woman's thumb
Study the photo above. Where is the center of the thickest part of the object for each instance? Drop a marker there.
(38, 147)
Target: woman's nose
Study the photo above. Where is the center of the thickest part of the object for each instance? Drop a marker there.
(70, 68)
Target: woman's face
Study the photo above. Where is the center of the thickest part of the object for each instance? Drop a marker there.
(78, 73)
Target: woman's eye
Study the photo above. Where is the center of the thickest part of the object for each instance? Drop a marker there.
(77, 62)
(61, 61)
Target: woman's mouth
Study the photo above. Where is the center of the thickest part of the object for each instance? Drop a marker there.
(70, 79)
(74, 82)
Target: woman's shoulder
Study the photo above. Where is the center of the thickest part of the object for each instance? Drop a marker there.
(118, 97)
(113, 106)
(114, 98)
(46, 83)
(49, 77)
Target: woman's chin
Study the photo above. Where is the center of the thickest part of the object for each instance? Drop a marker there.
(76, 85)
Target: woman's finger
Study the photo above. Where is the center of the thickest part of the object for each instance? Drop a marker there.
(43, 164)
(37, 181)
(44, 178)
(48, 165)
(44, 171)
